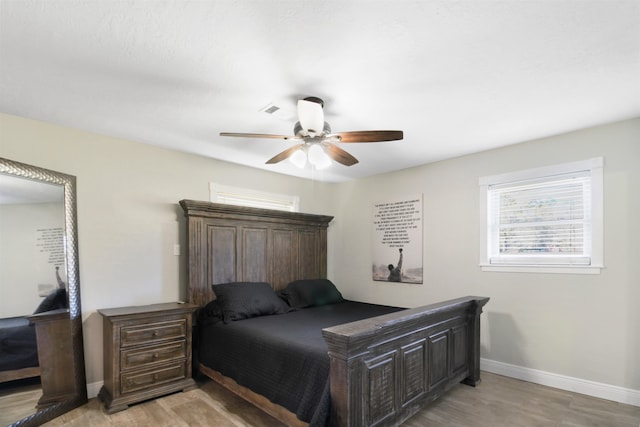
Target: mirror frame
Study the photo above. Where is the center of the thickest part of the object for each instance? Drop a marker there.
(10, 167)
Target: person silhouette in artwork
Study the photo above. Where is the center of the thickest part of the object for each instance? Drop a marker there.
(395, 274)
(61, 284)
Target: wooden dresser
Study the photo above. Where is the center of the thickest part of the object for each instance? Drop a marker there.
(147, 353)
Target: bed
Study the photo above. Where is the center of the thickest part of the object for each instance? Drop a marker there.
(18, 344)
(378, 371)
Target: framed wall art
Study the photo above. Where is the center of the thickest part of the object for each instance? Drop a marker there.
(397, 240)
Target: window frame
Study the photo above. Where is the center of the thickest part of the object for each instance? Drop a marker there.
(253, 198)
(595, 168)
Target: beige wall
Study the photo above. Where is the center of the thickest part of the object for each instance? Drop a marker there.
(128, 212)
(582, 326)
(575, 325)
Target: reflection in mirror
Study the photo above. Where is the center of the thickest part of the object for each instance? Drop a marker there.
(41, 355)
(32, 249)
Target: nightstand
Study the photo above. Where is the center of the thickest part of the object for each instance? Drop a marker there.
(147, 353)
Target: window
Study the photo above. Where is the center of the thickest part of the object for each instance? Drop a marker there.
(543, 220)
(252, 198)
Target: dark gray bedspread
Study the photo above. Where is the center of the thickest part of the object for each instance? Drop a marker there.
(282, 357)
(18, 347)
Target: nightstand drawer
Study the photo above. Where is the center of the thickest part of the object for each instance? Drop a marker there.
(150, 332)
(137, 357)
(138, 380)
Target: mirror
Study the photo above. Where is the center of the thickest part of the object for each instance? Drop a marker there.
(44, 289)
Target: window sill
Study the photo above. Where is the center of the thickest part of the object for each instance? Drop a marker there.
(541, 269)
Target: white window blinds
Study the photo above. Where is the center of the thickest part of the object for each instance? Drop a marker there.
(544, 220)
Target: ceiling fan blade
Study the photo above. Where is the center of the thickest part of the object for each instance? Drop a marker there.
(370, 135)
(311, 116)
(284, 154)
(258, 135)
(340, 156)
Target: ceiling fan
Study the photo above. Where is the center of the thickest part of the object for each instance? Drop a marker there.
(317, 144)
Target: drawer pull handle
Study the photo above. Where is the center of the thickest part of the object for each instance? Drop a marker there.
(155, 333)
(156, 355)
(155, 377)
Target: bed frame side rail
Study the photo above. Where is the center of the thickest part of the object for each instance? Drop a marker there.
(384, 369)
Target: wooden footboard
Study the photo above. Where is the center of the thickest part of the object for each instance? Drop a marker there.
(384, 369)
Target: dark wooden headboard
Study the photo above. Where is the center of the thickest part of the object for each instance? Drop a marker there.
(229, 243)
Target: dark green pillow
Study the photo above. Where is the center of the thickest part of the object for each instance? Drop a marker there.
(311, 293)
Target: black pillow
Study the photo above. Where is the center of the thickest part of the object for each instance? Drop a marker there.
(210, 314)
(311, 293)
(243, 300)
(55, 300)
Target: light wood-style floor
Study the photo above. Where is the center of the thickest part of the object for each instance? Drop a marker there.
(18, 399)
(497, 401)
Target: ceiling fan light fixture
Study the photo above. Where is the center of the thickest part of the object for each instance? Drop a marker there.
(317, 157)
(299, 158)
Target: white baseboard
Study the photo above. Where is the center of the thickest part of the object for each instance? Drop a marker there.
(563, 382)
(93, 389)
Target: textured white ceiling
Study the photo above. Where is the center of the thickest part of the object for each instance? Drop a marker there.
(456, 76)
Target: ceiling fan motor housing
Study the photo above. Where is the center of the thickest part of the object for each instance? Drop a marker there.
(315, 99)
(301, 133)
